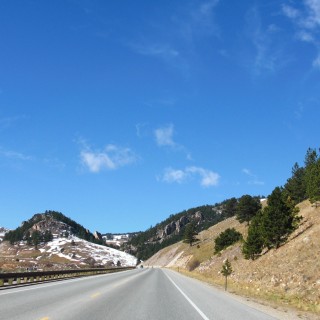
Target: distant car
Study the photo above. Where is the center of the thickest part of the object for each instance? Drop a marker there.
(141, 266)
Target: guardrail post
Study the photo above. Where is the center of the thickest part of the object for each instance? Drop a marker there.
(10, 281)
(1, 282)
(18, 280)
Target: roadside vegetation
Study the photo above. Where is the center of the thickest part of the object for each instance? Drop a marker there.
(272, 248)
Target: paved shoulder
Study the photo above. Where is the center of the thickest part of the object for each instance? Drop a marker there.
(211, 302)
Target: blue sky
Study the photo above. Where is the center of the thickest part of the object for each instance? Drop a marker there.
(120, 113)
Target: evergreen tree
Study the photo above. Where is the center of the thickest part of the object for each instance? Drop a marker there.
(47, 237)
(230, 207)
(312, 176)
(247, 208)
(255, 241)
(278, 219)
(295, 188)
(226, 239)
(36, 236)
(310, 158)
(190, 234)
(226, 271)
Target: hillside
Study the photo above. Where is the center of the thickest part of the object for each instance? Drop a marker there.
(171, 230)
(290, 274)
(51, 241)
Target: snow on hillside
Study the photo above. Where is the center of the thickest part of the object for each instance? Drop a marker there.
(79, 250)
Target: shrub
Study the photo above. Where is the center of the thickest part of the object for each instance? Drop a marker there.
(226, 239)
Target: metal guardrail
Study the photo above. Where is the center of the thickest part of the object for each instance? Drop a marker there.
(20, 278)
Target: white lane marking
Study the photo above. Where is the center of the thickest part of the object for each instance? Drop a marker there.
(66, 281)
(189, 300)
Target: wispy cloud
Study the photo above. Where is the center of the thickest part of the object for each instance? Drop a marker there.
(111, 157)
(172, 175)
(173, 42)
(207, 178)
(268, 52)
(14, 155)
(196, 20)
(164, 136)
(253, 178)
(163, 51)
(307, 22)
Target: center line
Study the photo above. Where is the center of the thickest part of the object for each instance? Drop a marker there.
(189, 300)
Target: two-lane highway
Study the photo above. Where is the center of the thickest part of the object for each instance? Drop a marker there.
(137, 294)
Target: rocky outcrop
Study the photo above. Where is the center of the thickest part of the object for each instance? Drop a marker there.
(97, 235)
(175, 227)
(55, 226)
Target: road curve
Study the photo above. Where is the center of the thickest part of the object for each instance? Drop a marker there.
(149, 294)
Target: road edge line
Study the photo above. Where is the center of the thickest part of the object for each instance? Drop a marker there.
(188, 299)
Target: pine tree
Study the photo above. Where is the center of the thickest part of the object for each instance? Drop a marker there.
(36, 235)
(295, 188)
(278, 219)
(226, 239)
(313, 176)
(230, 207)
(47, 237)
(254, 243)
(247, 208)
(190, 234)
(226, 271)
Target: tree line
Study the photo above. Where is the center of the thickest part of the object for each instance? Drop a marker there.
(269, 227)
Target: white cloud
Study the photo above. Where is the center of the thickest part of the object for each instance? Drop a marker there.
(247, 172)
(307, 21)
(268, 53)
(171, 175)
(111, 157)
(305, 36)
(290, 12)
(164, 136)
(159, 50)
(197, 20)
(313, 18)
(254, 178)
(207, 178)
(14, 155)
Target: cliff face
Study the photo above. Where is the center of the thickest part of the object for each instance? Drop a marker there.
(174, 227)
(48, 223)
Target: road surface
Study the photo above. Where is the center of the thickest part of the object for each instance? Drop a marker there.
(141, 294)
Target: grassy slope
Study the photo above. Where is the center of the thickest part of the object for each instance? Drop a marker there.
(290, 274)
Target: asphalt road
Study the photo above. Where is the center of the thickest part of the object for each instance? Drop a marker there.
(149, 294)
